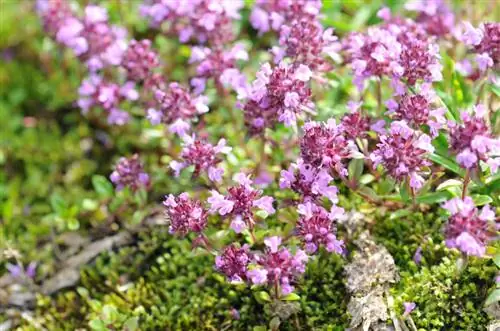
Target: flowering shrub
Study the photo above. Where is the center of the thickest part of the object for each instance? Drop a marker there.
(399, 143)
(263, 164)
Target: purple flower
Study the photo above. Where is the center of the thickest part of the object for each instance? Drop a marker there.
(176, 103)
(240, 201)
(18, 270)
(324, 145)
(185, 214)
(220, 65)
(409, 307)
(403, 152)
(139, 60)
(309, 182)
(355, 125)
(220, 204)
(467, 229)
(417, 257)
(273, 243)
(305, 41)
(277, 266)
(267, 15)
(257, 276)
(129, 173)
(233, 262)
(316, 227)
(96, 92)
(203, 156)
(279, 94)
(238, 225)
(434, 15)
(472, 139)
(265, 203)
(206, 20)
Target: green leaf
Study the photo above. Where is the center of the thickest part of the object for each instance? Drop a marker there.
(98, 325)
(292, 297)
(447, 163)
(400, 213)
(496, 259)
(366, 179)
(432, 198)
(102, 186)
(131, 324)
(73, 224)
(262, 297)
(493, 297)
(404, 191)
(355, 169)
(448, 184)
(58, 204)
(480, 200)
(274, 324)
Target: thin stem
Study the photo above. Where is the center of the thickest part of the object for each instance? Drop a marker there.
(466, 183)
(379, 95)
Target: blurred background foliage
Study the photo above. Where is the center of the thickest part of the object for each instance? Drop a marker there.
(55, 164)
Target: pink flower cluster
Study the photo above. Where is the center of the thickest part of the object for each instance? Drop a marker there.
(468, 229)
(400, 50)
(203, 156)
(97, 92)
(277, 266)
(472, 140)
(91, 38)
(485, 42)
(309, 182)
(140, 60)
(219, 65)
(403, 153)
(279, 94)
(176, 107)
(185, 214)
(270, 15)
(240, 202)
(316, 227)
(324, 145)
(206, 21)
(129, 173)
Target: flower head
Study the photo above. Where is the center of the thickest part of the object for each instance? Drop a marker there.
(280, 94)
(176, 106)
(309, 182)
(207, 21)
(95, 91)
(316, 228)
(203, 156)
(472, 139)
(468, 229)
(185, 214)
(277, 266)
(403, 152)
(324, 145)
(233, 262)
(129, 173)
(140, 60)
(240, 202)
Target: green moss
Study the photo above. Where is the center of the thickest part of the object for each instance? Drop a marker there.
(169, 287)
(447, 298)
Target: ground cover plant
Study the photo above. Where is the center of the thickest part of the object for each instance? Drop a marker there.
(250, 165)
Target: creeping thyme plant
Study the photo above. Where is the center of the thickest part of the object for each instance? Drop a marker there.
(267, 126)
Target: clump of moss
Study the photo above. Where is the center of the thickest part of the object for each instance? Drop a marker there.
(160, 284)
(402, 236)
(448, 297)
